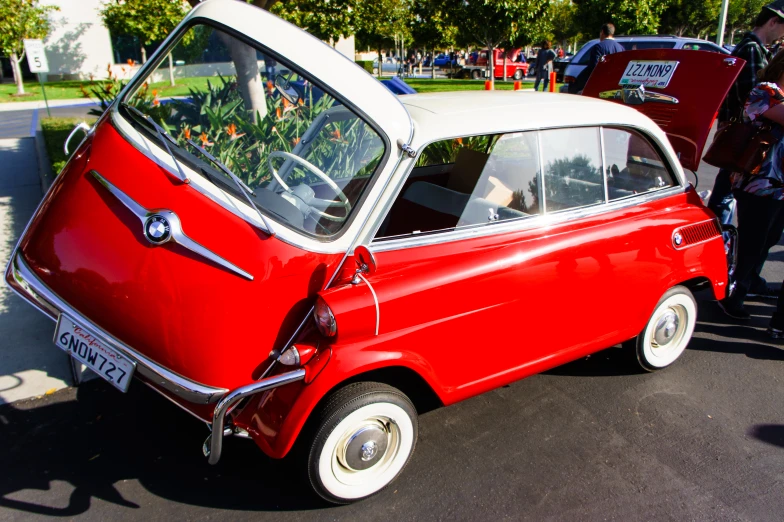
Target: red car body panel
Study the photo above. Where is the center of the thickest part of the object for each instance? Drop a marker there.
(688, 122)
(443, 307)
(173, 306)
(498, 62)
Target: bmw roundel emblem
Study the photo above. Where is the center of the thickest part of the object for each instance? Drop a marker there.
(157, 229)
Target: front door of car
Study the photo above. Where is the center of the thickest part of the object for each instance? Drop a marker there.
(680, 90)
(495, 272)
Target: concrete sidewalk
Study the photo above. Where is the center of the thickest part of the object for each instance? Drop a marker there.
(30, 364)
(40, 104)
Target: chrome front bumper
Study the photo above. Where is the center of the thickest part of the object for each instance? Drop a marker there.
(32, 289)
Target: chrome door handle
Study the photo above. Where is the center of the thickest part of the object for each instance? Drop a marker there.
(82, 126)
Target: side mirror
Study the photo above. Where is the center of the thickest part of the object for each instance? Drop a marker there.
(366, 262)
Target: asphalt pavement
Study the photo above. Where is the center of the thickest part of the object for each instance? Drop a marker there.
(596, 439)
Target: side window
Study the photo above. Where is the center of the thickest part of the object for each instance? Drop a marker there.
(707, 47)
(633, 165)
(652, 45)
(572, 168)
(467, 182)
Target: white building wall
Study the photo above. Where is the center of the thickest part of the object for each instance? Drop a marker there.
(78, 45)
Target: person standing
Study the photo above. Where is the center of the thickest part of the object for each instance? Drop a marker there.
(607, 45)
(768, 27)
(544, 65)
(760, 196)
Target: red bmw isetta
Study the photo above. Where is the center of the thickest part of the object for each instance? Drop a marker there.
(293, 253)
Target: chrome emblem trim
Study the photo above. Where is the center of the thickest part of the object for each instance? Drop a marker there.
(161, 226)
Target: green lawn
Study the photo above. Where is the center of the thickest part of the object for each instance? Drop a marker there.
(54, 91)
(55, 131)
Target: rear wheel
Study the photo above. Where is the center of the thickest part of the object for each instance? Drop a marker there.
(475, 74)
(364, 437)
(668, 331)
(518, 74)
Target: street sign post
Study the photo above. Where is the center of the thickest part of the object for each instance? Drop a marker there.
(36, 60)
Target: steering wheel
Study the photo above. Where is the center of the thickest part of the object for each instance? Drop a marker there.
(344, 202)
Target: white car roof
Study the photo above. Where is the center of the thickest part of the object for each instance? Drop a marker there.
(466, 113)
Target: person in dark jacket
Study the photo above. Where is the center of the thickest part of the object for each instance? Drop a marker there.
(607, 45)
(768, 27)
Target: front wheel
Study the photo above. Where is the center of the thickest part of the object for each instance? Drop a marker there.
(475, 74)
(668, 331)
(364, 437)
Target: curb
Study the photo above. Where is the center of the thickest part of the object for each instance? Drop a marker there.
(45, 172)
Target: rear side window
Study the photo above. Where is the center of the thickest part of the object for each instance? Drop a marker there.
(633, 165)
(572, 168)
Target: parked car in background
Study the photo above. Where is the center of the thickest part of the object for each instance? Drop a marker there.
(559, 67)
(355, 257)
(574, 82)
(515, 70)
(443, 60)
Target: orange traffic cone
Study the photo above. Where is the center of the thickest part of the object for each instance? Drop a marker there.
(517, 86)
(552, 82)
(488, 86)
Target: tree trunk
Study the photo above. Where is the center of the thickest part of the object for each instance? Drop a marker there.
(380, 63)
(491, 65)
(17, 69)
(248, 77)
(144, 53)
(504, 65)
(171, 70)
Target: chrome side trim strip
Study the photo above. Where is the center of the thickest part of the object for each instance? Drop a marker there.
(175, 234)
(375, 299)
(214, 444)
(514, 225)
(38, 293)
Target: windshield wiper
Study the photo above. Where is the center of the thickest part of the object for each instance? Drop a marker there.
(245, 189)
(163, 136)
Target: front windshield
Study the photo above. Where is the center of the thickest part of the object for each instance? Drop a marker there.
(306, 157)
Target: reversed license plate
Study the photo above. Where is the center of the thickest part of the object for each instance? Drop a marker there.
(88, 349)
(648, 73)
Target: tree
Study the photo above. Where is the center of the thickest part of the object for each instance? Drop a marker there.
(379, 22)
(21, 20)
(741, 15)
(148, 20)
(430, 28)
(689, 17)
(325, 19)
(563, 14)
(629, 16)
(494, 22)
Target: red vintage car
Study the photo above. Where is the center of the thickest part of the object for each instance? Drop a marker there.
(308, 258)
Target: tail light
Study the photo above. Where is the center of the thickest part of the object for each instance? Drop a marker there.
(325, 319)
(569, 79)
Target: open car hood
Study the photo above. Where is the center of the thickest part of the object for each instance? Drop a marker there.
(680, 90)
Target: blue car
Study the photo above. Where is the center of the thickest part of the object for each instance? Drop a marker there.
(442, 60)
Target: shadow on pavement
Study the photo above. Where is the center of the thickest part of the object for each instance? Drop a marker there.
(771, 433)
(96, 438)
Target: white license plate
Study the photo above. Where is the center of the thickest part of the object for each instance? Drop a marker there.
(87, 348)
(652, 73)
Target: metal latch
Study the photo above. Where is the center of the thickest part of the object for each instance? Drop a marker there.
(637, 96)
(407, 149)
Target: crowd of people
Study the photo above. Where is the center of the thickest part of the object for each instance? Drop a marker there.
(758, 197)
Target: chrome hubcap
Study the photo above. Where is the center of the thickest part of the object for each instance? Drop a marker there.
(669, 328)
(666, 328)
(365, 446)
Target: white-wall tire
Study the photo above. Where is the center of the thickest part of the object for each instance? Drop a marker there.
(668, 331)
(365, 436)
